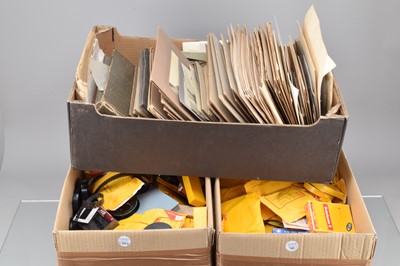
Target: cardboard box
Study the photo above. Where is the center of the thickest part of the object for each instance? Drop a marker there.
(138, 145)
(302, 249)
(150, 247)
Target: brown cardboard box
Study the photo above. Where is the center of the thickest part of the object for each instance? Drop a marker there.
(137, 145)
(150, 247)
(302, 249)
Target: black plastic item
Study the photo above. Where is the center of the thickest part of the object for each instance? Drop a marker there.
(128, 209)
(80, 194)
(78, 202)
(158, 225)
(92, 216)
(73, 225)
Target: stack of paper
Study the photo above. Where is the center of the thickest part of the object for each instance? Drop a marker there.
(250, 76)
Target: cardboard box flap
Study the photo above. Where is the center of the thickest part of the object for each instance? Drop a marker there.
(209, 204)
(64, 211)
(295, 153)
(361, 218)
(338, 101)
(135, 241)
(297, 246)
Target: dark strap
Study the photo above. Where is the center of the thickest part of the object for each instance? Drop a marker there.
(109, 180)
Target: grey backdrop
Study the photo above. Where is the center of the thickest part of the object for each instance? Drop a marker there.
(41, 42)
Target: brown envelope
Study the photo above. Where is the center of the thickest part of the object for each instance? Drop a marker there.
(159, 77)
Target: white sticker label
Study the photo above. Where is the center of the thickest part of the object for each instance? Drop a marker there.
(124, 241)
(292, 245)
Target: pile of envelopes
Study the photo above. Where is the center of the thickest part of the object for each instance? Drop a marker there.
(248, 76)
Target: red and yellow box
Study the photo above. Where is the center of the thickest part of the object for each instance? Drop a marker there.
(329, 217)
